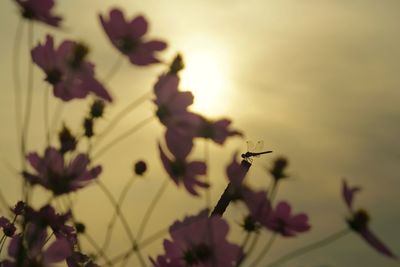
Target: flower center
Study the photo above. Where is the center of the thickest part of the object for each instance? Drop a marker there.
(359, 221)
(178, 168)
(53, 76)
(198, 254)
(126, 44)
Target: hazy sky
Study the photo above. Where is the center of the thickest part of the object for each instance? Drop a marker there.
(318, 81)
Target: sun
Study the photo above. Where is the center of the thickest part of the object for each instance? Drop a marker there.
(206, 76)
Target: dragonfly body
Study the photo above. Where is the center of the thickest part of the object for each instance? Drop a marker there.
(254, 150)
(254, 154)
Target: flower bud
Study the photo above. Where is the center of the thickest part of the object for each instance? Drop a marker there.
(140, 167)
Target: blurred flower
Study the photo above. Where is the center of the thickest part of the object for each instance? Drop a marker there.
(39, 10)
(280, 220)
(199, 241)
(177, 65)
(278, 169)
(53, 174)
(8, 227)
(67, 70)
(97, 108)
(359, 220)
(140, 167)
(35, 253)
(47, 216)
(67, 140)
(19, 208)
(236, 172)
(218, 131)
(127, 37)
(172, 104)
(184, 172)
(78, 259)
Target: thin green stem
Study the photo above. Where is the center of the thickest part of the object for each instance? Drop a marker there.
(114, 69)
(318, 244)
(151, 208)
(46, 115)
(240, 257)
(17, 85)
(99, 251)
(122, 137)
(264, 251)
(28, 104)
(120, 115)
(116, 213)
(117, 208)
(55, 119)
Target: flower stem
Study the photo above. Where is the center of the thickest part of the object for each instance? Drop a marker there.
(17, 85)
(116, 213)
(124, 222)
(120, 115)
(122, 137)
(46, 115)
(264, 251)
(151, 207)
(207, 177)
(318, 244)
(226, 196)
(28, 104)
(114, 69)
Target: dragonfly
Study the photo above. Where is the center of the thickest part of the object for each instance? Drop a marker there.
(254, 150)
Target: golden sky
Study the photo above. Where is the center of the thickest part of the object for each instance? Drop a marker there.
(318, 81)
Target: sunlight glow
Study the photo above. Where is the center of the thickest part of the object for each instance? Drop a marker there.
(205, 75)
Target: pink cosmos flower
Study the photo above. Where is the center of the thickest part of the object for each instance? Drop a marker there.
(47, 216)
(71, 76)
(127, 37)
(39, 10)
(283, 222)
(36, 254)
(8, 227)
(184, 172)
(172, 104)
(359, 220)
(199, 241)
(60, 178)
(218, 130)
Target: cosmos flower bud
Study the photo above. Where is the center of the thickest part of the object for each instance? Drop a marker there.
(140, 167)
(80, 227)
(278, 170)
(88, 126)
(67, 140)
(79, 53)
(97, 109)
(19, 208)
(176, 65)
(359, 220)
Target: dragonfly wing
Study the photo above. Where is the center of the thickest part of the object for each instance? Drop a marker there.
(258, 147)
(250, 146)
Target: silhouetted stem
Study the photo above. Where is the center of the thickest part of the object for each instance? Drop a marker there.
(308, 248)
(17, 85)
(240, 258)
(226, 196)
(97, 248)
(151, 207)
(264, 251)
(116, 214)
(56, 119)
(114, 69)
(122, 137)
(124, 222)
(120, 115)
(46, 115)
